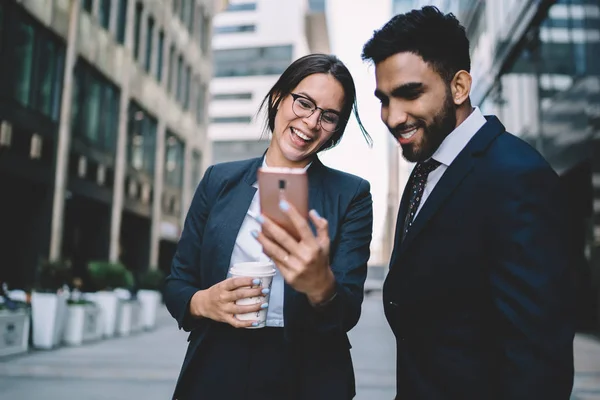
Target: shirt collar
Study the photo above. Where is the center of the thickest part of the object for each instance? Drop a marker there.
(459, 138)
(264, 164)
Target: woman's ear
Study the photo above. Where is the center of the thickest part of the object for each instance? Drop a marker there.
(460, 87)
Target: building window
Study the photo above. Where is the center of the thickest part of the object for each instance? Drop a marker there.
(186, 89)
(180, 80)
(172, 73)
(122, 21)
(245, 119)
(200, 103)
(190, 15)
(232, 96)
(204, 31)
(95, 108)
(33, 74)
(174, 156)
(50, 66)
(104, 16)
(252, 61)
(88, 5)
(137, 29)
(22, 61)
(159, 61)
(142, 139)
(241, 7)
(234, 29)
(149, 39)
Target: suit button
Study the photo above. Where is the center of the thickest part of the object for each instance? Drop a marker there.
(393, 303)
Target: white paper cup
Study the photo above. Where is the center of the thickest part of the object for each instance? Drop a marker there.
(263, 270)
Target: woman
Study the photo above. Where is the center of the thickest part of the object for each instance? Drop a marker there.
(316, 295)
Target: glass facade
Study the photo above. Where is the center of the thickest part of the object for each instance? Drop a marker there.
(234, 29)
(141, 146)
(552, 83)
(232, 96)
(233, 7)
(252, 61)
(95, 108)
(33, 77)
(174, 157)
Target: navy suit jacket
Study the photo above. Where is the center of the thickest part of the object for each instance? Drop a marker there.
(479, 293)
(317, 337)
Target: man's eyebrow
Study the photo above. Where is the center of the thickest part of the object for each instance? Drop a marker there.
(407, 89)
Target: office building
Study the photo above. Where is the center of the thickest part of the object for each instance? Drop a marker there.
(103, 129)
(254, 42)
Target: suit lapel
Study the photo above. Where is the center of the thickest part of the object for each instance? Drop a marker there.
(240, 198)
(462, 165)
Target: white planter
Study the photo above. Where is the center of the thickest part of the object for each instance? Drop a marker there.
(14, 332)
(48, 315)
(110, 307)
(136, 316)
(149, 300)
(124, 323)
(74, 327)
(92, 325)
(82, 324)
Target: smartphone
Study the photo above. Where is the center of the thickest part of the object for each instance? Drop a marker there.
(289, 184)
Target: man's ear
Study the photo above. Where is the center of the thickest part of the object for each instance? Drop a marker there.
(460, 87)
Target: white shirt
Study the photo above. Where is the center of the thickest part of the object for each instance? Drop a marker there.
(452, 145)
(247, 248)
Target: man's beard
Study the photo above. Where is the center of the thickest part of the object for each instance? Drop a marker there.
(433, 135)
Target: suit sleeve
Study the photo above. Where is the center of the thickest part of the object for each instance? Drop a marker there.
(532, 288)
(349, 266)
(184, 279)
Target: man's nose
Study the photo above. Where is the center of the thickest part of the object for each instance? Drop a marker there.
(396, 116)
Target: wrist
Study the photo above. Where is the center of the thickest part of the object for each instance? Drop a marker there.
(197, 304)
(326, 293)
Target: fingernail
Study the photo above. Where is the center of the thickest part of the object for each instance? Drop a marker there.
(260, 219)
(256, 282)
(284, 205)
(255, 324)
(264, 305)
(254, 234)
(266, 291)
(316, 213)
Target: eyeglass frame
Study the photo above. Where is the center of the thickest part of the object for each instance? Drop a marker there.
(296, 96)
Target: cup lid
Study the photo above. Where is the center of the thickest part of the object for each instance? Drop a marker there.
(253, 268)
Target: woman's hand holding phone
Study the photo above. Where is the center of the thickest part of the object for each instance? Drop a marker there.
(303, 262)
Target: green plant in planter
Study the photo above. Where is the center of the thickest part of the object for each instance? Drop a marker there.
(152, 279)
(52, 275)
(107, 275)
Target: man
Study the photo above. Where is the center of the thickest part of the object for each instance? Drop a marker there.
(479, 292)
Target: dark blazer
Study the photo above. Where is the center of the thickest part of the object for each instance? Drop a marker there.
(318, 337)
(479, 293)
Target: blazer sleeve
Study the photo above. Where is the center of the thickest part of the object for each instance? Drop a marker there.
(184, 279)
(532, 288)
(349, 266)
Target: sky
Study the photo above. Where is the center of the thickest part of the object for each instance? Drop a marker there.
(351, 24)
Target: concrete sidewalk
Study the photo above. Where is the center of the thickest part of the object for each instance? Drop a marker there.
(145, 366)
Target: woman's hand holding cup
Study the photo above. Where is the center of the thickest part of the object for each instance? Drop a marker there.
(218, 301)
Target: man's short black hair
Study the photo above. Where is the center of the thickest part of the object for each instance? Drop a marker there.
(437, 38)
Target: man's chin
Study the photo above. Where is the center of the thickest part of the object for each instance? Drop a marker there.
(409, 153)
